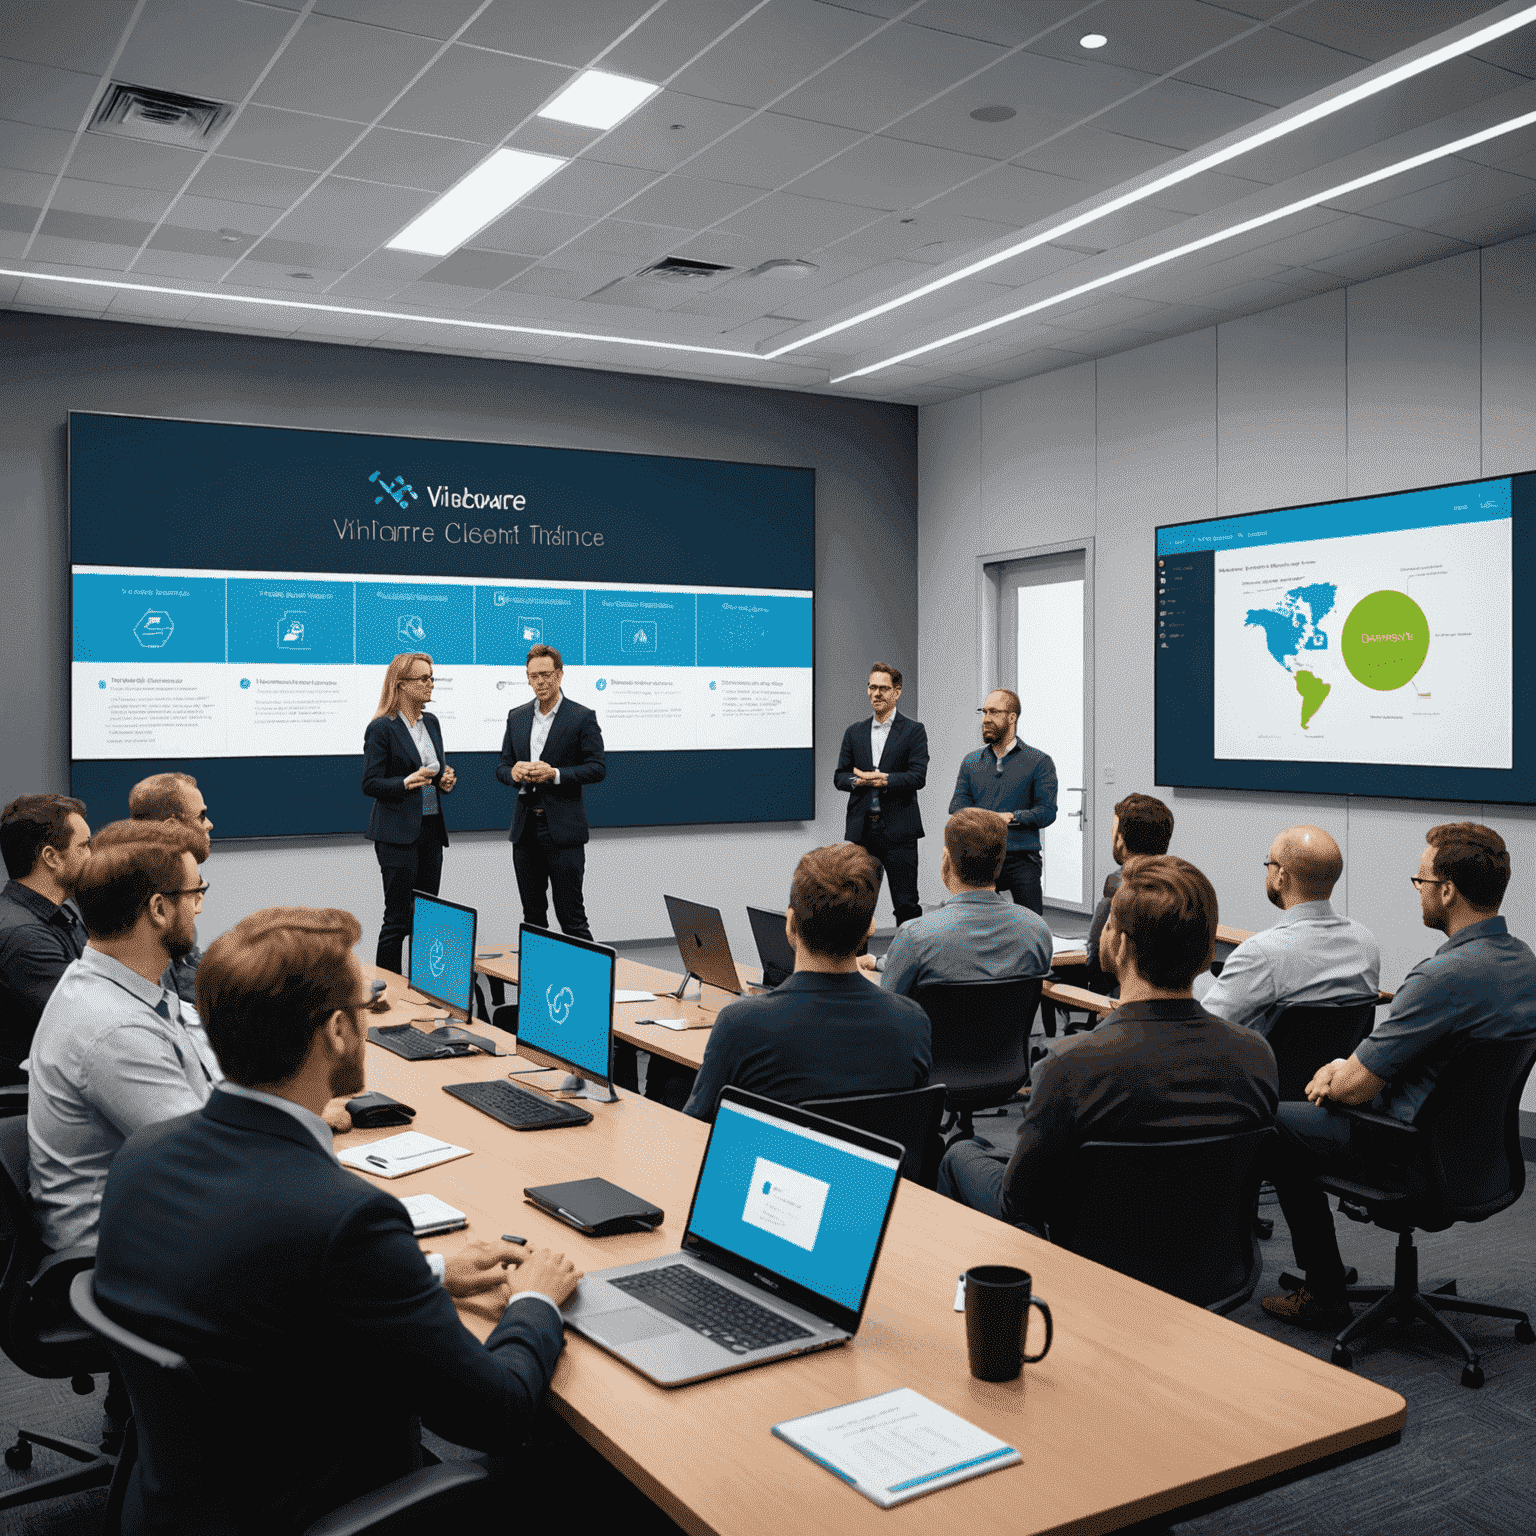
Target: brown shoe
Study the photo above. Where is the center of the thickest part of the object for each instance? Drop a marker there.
(1307, 1310)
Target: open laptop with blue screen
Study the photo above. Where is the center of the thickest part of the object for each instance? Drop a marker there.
(786, 1224)
(443, 952)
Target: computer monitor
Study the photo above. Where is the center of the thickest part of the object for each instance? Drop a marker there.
(565, 1008)
(443, 952)
(775, 953)
(702, 943)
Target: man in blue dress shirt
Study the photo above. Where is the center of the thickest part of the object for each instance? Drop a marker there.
(1480, 984)
(1018, 784)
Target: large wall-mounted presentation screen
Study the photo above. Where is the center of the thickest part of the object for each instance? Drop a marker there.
(238, 592)
(1364, 647)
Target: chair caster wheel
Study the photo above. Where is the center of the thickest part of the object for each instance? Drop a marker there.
(1525, 1334)
(1471, 1375)
(1342, 1357)
(19, 1456)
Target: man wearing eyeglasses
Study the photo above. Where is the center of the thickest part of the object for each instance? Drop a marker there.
(176, 797)
(882, 765)
(113, 1051)
(1016, 782)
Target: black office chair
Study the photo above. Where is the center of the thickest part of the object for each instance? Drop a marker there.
(1460, 1160)
(980, 1042)
(1177, 1215)
(173, 1434)
(37, 1332)
(912, 1118)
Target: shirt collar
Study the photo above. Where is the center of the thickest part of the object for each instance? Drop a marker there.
(1489, 928)
(306, 1117)
(882, 725)
(1306, 912)
(1013, 747)
(1158, 1008)
(554, 709)
(150, 993)
(978, 897)
(37, 903)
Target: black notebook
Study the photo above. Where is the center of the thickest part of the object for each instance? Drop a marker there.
(596, 1207)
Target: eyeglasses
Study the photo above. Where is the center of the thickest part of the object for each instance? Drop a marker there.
(198, 891)
(1275, 862)
(425, 677)
(881, 688)
(1001, 714)
(541, 677)
(1417, 880)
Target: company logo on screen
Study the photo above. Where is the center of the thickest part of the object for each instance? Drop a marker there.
(397, 490)
(559, 1003)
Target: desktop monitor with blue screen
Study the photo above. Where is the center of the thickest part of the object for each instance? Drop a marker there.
(795, 1200)
(565, 1006)
(443, 952)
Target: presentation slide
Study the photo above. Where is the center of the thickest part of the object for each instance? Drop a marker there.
(237, 593)
(1370, 646)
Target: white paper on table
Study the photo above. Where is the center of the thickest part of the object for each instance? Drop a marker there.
(897, 1445)
(629, 995)
(409, 1152)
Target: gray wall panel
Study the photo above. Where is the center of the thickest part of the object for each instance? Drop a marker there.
(1509, 357)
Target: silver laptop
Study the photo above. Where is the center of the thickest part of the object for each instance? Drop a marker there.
(786, 1224)
(701, 941)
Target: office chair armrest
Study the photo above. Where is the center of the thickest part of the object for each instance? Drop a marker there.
(52, 1277)
(414, 1492)
(1369, 1117)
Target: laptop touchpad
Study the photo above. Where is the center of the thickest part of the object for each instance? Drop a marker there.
(628, 1326)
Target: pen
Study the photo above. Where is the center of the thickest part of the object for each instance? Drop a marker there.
(378, 1162)
(512, 1237)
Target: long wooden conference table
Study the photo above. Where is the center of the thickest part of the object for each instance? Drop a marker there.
(1146, 1409)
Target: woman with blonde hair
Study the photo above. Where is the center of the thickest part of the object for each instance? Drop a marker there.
(404, 772)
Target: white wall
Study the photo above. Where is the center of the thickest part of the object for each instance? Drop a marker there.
(1424, 376)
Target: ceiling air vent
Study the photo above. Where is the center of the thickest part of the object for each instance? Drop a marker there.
(162, 117)
(676, 269)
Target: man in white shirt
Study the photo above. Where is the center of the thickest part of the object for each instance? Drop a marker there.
(1311, 955)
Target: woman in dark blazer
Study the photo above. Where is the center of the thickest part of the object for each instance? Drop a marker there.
(404, 772)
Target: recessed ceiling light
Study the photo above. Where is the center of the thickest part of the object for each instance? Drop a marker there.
(1092, 40)
(230, 235)
(784, 266)
(308, 277)
(596, 99)
(471, 203)
(998, 114)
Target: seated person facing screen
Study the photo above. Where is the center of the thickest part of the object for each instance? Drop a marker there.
(316, 1326)
(45, 842)
(176, 797)
(1481, 983)
(978, 934)
(1142, 826)
(1159, 1068)
(1311, 955)
(824, 1030)
(112, 1051)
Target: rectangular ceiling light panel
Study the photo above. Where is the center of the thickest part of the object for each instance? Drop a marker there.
(476, 200)
(596, 99)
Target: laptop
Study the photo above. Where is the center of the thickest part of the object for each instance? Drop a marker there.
(702, 943)
(775, 953)
(788, 1216)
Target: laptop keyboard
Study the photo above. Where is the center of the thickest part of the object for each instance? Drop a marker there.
(715, 1311)
(517, 1107)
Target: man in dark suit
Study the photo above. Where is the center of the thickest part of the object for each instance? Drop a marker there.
(882, 765)
(321, 1333)
(1159, 1068)
(552, 747)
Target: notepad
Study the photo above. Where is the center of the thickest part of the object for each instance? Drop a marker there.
(409, 1152)
(628, 995)
(896, 1446)
(429, 1215)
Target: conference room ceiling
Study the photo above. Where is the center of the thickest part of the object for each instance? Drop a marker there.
(841, 137)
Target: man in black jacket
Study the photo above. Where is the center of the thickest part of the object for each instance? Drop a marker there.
(1159, 1068)
(318, 1329)
(552, 747)
(882, 765)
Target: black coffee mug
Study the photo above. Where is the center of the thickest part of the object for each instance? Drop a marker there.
(997, 1303)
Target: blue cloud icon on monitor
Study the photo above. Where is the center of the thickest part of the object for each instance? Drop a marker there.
(435, 961)
(559, 1003)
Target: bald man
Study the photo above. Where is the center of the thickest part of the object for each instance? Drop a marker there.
(1311, 955)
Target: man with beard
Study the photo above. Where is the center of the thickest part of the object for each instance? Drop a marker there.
(1016, 783)
(1311, 955)
(320, 1284)
(111, 1051)
(176, 797)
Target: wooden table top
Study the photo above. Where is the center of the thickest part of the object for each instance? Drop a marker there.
(1145, 1404)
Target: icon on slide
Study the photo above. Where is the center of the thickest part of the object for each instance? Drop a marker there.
(531, 630)
(245, 682)
(559, 1003)
(290, 631)
(436, 963)
(501, 599)
(154, 629)
(102, 683)
(711, 687)
(410, 630)
(639, 635)
(602, 683)
(397, 490)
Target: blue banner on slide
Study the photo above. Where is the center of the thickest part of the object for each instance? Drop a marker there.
(511, 619)
(309, 622)
(123, 620)
(755, 631)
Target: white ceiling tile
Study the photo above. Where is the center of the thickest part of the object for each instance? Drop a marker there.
(359, 212)
(891, 73)
(1010, 22)
(773, 51)
(198, 269)
(926, 237)
(63, 296)
(888, 174)
(672, 35)
(344, 68)
(567, 34)
(1273, 67)
(1410, 248)
(1097, 158)
(26, 189)
(24, 147)
(469, 94)
(96, 197)
(427, 18)
(553, 282)
(214, 48)
(381, 274)
(615, 247)
(48, 98)
(68, 34)
(1376, 29)
(289, 254)
(671, 128)
(1013, 195)
(770, 150)
(295, 139)
(216, 213)
(809, 222)
(1513, 152)
(149, 306)
(689, 202)
(59, 251)
(444, 296)
(278, 277)
(1150, 38)
(1516, 52)
(591, 187)
(192, 242)
(411, 159)
(531, 231)
(1431, 207)
(1213, 189)
(1492, 226)
(540, 136)
(128, 163)
(723, 248)
(475, 269)
(244, 181)
(1184, 116)
(1313, 247)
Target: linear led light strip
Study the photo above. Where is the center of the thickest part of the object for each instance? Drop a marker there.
(376, 314)
(1341, 190)
(1184, 173)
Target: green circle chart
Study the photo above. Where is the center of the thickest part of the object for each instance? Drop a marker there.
(1386, 638)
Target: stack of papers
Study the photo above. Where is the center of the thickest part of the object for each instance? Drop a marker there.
(409, 1152)
(629, 995)
(1061, 941)
(430, 1215)
(896, 1446)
